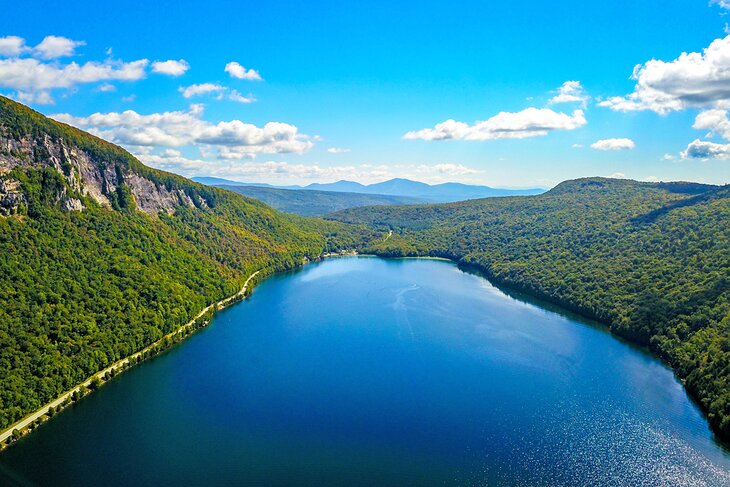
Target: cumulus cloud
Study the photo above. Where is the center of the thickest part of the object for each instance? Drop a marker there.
(34, 97)
(715, 121)
(531, 122)
(237, 71)
(700, 149)
(12, 46)
(234, 95)
(668, 157)
(218, 90)
(613, 144)
(570, 92)
(450, 169)
(107, 88)
(281, 172)
(337, 150)
(35, 72)
(31, 74)
(618, 175)
(52, 47)
(692, 80)
(171, 67)
(201, 89)
(721, 3)
(225, 140)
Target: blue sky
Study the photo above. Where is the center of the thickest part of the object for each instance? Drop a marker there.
(361, 90)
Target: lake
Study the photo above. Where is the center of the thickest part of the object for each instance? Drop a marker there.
(365, 371)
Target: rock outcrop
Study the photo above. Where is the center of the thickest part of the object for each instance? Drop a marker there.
(96, 179)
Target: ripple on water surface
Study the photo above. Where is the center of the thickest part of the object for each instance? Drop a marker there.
(362, 371)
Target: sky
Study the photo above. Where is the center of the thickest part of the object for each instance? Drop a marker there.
(508, 94)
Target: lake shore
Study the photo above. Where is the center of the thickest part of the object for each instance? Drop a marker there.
(27, 424)
(30, 422)
(42, 414)
(301, 385)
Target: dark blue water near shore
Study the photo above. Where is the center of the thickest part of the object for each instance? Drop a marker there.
(362, 371)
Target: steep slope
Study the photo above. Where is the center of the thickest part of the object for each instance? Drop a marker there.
(650, 260)
(101, 255)
(315, 203)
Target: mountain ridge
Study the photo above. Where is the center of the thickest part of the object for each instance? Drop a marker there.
(436, 193)
(312, 202)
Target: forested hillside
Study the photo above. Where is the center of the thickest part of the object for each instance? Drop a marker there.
(101, 255)
(307, 202)
(651, 260)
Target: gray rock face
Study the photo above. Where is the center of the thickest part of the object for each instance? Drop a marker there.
(73, 204)
(92, 178)
(10, 197)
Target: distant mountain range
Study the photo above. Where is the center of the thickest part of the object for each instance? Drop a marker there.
(437, 193)
(317, 203)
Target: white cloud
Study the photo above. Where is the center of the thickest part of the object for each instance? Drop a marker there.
(33, 75)
(280, 172)
(234, 95)
(201, 89)
(721, 3)
(214, 88)
(700, 149)
(652, 179)
(570, 92)
(129, 98)
(52, 47)
(238, 71)
(531, 122)
(450, 169)
(225, 140)
(12, 46)
(35, 97)
(171, 67)
(107, 88)
(171, 153)
(618, 175)
(613, 144)
(337, 150)
(577, 146)
(715, 121)
(668, 157)
(692, 80)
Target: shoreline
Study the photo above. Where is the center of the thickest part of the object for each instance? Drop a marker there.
(42, 414)
(28, 423)
(538, 296)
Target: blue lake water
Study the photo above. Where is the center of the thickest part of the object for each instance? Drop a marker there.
(364, 371)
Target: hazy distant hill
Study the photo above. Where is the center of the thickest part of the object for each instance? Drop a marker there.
(313, 202)
(437, 193)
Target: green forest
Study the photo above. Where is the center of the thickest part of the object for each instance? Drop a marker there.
(309, 202)
(651, 260)
(82, 289)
